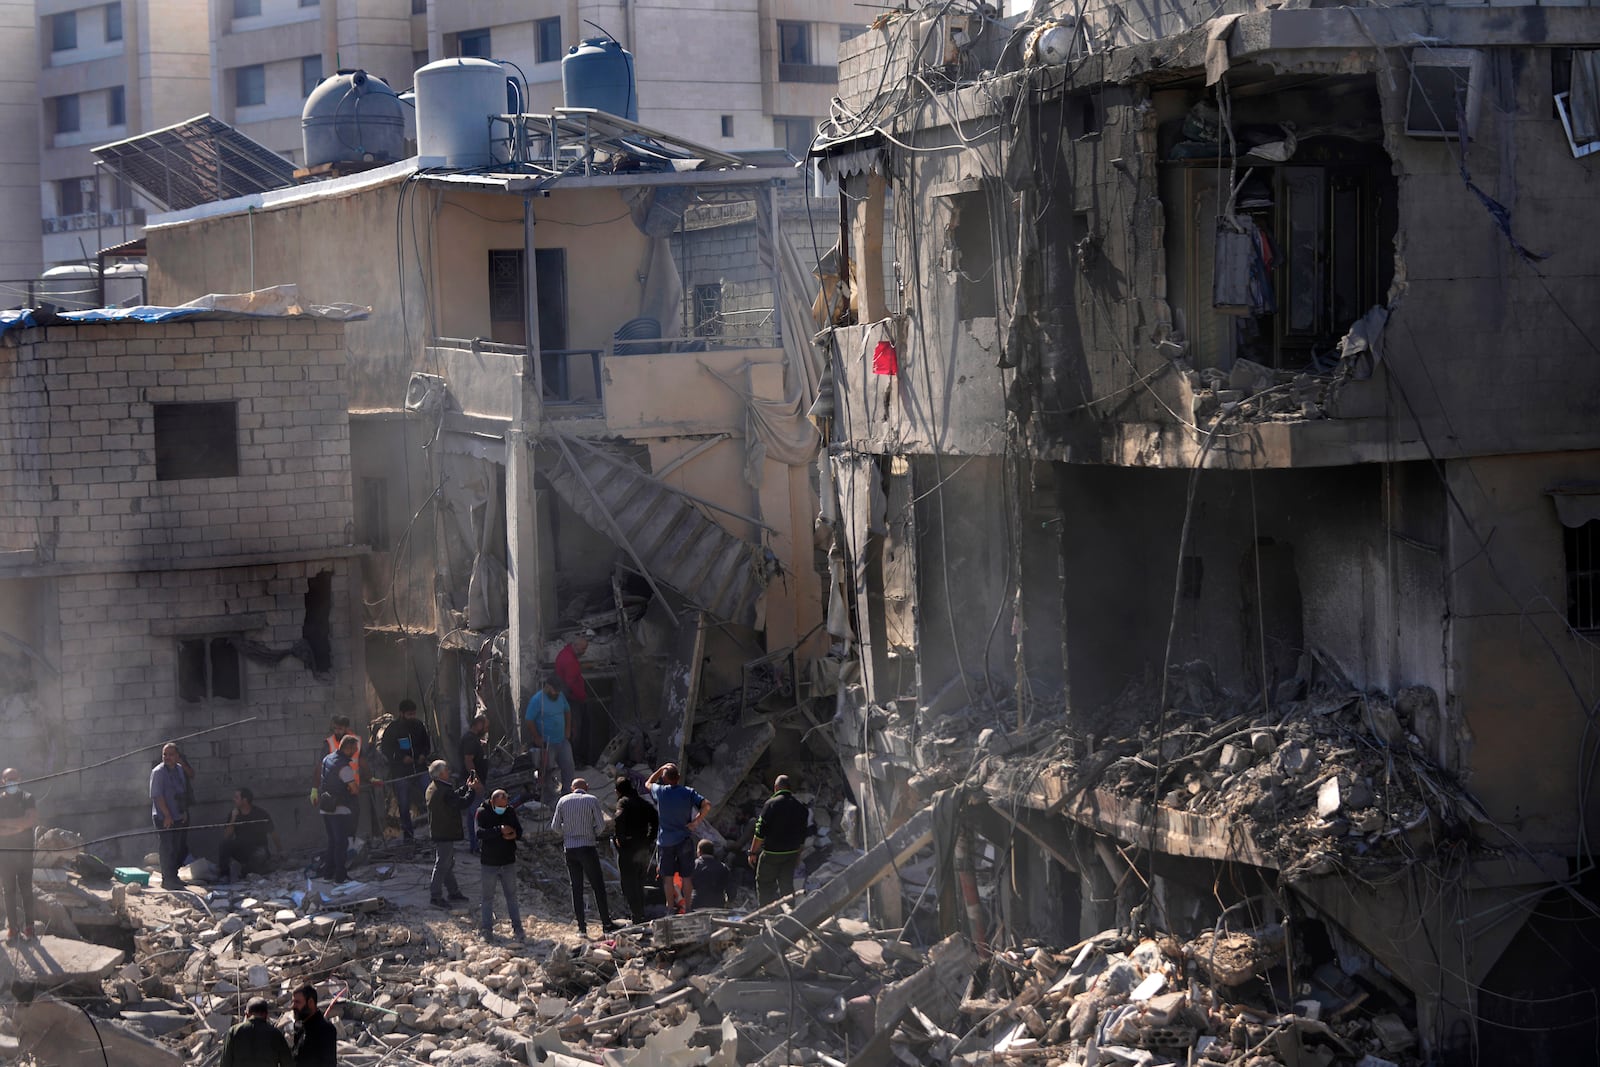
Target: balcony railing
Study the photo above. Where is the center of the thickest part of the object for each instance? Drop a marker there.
(812, 73)
(93, 220)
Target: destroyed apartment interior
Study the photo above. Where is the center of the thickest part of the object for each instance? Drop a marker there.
(1136, 479)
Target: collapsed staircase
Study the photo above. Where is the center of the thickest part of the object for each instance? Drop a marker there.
(665, 532)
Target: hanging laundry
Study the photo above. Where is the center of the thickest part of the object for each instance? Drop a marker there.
(885, 360)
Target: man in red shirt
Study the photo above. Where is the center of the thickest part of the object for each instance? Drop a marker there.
(570, 670)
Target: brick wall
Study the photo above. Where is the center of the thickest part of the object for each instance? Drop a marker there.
(77, 440)
(134, 564)
(118, 658)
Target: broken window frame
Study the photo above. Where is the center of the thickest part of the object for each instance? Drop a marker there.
(206, 646)
(1343, 265)
(1581, 554)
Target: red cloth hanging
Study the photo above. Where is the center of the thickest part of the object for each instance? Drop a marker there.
(885, 360)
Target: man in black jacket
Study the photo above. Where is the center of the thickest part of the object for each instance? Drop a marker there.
(498, 831)
(446, 801)
(313, 1040)
(634, 826)
(405, 745)
(780, 835)
(255, 1042)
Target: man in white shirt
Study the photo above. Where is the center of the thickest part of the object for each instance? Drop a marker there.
(581, 821)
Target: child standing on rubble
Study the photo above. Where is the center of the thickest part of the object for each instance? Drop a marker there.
(711, 877)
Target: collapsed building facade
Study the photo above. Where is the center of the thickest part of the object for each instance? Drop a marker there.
(1212, 479)
(574, 407)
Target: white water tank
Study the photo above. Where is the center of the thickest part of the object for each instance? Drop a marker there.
(125, 285)
(456, 98)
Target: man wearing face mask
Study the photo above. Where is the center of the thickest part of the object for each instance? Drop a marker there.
(17, 821)
(498, 830)
(313, 1040)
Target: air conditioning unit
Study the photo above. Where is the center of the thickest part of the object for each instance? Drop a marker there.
(1446, 93)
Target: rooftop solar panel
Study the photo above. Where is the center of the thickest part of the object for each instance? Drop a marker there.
(195, 162)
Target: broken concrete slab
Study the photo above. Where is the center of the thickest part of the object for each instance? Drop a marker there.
(854, 880)
(936, 989)
(54, 961)
(59, 1034)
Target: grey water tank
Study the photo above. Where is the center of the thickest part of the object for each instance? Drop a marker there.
(598, 73)
(73, 287)
(353, 117)
(456, 101)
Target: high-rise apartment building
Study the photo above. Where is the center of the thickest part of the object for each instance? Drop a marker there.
(107, 71)
(732, 75)
(267, 56)
(19, 148)
(740, 75)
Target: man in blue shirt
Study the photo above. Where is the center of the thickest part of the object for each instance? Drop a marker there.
(549, 719)
(680, 809)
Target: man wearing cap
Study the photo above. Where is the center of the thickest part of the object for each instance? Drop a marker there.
(581, 821)
(256, 1042)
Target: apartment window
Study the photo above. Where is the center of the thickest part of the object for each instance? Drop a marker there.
(116, 106)
(972, 245)
(114, 22)
(209, 668)
(549, 31)
(419, 58)
(1583, 575)
(508, 304)
(419, 7)
(249, 86)
(310, 3)
(727, 125)
(310, 74)
(372, 513)
(708, 310)
(243, 9)
(795, 134)
(794, 42)
(69, 196)
(196, 441)
(473, 43)
(848, 33)
(66, 113)
(64, 31)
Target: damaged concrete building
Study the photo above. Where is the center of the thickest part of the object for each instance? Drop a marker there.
(575, 406)
(1213, 426)
(174, 557)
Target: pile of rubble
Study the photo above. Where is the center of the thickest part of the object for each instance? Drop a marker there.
(1219, 999)
(807, 981)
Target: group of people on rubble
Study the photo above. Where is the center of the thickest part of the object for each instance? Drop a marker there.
(654, 826)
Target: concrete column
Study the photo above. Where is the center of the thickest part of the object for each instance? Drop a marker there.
(523, 545)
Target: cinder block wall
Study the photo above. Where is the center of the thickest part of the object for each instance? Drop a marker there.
(77, 449)
(134, 564)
